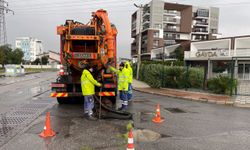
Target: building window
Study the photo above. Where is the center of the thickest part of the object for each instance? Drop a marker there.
(158, 26)
(156, 43)
(214, 31)
(178, 36)
(156, 34)
(202, 13)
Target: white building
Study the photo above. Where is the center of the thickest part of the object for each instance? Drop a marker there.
(224, 51)
(30, 46)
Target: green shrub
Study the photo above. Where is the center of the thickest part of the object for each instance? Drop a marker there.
(174, 77)
(166, 63)
(221, 84)
(158, 75)
(196, 78)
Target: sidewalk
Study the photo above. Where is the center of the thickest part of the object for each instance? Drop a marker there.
(189, 95)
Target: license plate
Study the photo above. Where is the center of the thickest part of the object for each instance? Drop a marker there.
(83, 55)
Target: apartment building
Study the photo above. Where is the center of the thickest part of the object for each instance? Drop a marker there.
(166, 24)
(30, 46)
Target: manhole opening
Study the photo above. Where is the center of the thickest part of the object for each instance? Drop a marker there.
(140, 101)
(165, 136)
(175, 110)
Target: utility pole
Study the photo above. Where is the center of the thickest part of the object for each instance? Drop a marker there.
(139, 38)
(3, 10)
(163, 53)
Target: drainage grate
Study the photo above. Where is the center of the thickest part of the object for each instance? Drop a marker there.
(4, 131)
(175, 110)
(12, 120)
(22, 113)
(34, 106)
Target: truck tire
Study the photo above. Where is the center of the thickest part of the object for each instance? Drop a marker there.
(83, 31)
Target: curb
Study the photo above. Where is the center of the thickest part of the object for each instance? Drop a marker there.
(228, 103)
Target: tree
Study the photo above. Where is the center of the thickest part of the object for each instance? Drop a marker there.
(44, 60)
(16, 56)
(178, 53)
(5, 54)
(37, 61)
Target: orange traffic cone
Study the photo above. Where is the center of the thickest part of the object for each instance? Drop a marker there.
(130, 145)
(47, 132)
(157, 118)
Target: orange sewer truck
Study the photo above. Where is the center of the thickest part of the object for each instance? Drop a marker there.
(93, 43)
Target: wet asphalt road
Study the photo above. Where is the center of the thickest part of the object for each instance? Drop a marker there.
(192, 126)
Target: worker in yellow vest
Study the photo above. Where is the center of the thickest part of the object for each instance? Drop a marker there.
(88, 84)
(123, 79)
(130, 79)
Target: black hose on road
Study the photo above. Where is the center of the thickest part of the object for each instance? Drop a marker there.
(114, 114)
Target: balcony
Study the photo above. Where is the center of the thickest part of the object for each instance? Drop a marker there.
(200, 39)
(171, 13)
(133, 34)
(202, 24)
(146, 13)
(146, 26)
(171, 37)
(171, 21)
(145, 21)
(200, 31)
(133, 49)
(171, 29)
(144, 45)
(134, 52)
(133, 25)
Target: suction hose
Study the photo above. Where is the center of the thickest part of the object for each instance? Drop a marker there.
(114, 114)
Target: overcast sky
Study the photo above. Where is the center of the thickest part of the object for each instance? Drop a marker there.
(39, 18)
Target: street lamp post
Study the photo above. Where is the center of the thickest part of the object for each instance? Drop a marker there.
(139, 44)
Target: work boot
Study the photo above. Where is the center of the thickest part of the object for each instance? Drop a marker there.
(91, 118)
(122, 108)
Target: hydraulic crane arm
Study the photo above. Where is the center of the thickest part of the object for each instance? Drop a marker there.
(110, 33)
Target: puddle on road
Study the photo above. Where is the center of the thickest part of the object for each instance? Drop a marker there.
(144, 116)
(175, 110)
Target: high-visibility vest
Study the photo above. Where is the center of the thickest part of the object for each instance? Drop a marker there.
(130, 80)
(123, 78)
(88, 83)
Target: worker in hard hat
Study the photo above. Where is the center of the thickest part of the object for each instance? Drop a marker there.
(88, 84)
(130, 80)
(123, 79)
